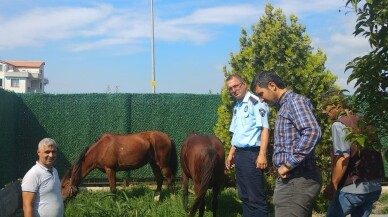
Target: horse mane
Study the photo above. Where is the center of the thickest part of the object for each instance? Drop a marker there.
(68, 173)
(77, 165)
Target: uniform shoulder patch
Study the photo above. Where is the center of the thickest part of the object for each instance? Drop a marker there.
(262, 112)
(253, 100)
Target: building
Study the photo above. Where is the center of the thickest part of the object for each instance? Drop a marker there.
(22, 76)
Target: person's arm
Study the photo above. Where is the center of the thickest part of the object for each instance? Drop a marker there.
(229, 160)
(341, 164)
(308, 128)
(261, 112)
(28, 203)
(261, 161)
(342, 153)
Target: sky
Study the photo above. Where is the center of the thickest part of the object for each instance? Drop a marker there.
(95, 46)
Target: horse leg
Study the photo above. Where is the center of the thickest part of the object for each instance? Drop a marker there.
(202, 208)
(216, 191)
(199, 206)
(185, 181)
(112, 179)
(159, 180)
(170, 179)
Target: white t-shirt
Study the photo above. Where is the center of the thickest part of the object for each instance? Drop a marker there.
(47, 187)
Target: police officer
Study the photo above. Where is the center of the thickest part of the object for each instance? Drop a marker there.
(248, 154)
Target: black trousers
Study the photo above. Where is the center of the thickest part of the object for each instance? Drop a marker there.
(250, 183)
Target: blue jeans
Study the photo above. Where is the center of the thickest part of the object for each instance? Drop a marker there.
(354, 204)
(250, 184)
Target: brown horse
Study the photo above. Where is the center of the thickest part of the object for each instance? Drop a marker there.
(114, 152)
(202, 159)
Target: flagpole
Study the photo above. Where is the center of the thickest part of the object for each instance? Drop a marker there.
(153, 83)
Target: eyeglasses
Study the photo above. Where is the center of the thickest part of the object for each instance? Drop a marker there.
(236, 86)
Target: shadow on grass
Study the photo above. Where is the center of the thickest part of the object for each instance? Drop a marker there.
(228, 204)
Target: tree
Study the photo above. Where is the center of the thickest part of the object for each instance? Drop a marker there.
(371, 70)
(285, 48)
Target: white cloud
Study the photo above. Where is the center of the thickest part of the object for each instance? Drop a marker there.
(348, 45)
(39, 26)
(105, 25)
(200, 26)
(223, 15)
(308, 7)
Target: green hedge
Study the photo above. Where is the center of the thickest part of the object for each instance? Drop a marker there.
(77, 120)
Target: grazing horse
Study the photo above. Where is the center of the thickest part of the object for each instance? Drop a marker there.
(202, 159)
(115, 152)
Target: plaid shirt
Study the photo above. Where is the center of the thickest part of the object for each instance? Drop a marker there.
(296, 132)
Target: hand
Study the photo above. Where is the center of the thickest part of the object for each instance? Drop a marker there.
(229, 162)
(261, 161)
(283, 172)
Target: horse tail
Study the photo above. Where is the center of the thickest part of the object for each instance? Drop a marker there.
(173, 158)
(207, 169)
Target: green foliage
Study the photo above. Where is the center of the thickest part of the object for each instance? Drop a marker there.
(366, 137)
(283, 46)
(371, 70)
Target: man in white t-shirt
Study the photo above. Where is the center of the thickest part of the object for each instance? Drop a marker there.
(41, 186)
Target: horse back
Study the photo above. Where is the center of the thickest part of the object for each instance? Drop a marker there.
(132, 151)
(158, 139)
(197, 149)
(118, 151)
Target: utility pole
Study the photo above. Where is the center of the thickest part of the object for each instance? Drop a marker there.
(153, 83)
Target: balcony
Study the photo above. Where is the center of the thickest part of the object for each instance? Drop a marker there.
(23, 75)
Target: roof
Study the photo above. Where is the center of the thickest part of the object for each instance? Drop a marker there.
(29, 64)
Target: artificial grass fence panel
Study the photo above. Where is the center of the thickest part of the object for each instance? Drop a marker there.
(76, 121)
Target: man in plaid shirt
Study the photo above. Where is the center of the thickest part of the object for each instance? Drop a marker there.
(296, 134)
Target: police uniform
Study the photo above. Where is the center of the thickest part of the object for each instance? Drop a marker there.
(249, 117)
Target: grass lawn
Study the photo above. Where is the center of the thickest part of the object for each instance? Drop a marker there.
(137, 201)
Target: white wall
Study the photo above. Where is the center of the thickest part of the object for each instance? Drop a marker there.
(20, 89)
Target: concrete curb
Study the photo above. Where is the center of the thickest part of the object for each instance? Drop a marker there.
(384, 189)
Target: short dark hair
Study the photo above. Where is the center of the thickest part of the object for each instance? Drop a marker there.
(334, 97)
(263, 78)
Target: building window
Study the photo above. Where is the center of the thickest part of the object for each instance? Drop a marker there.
(1, 82)
(1, 67)
(14, 82)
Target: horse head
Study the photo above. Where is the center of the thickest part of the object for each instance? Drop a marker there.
(72, 177)
(68, 189)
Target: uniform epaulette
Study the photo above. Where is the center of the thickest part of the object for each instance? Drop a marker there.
(253, 100)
